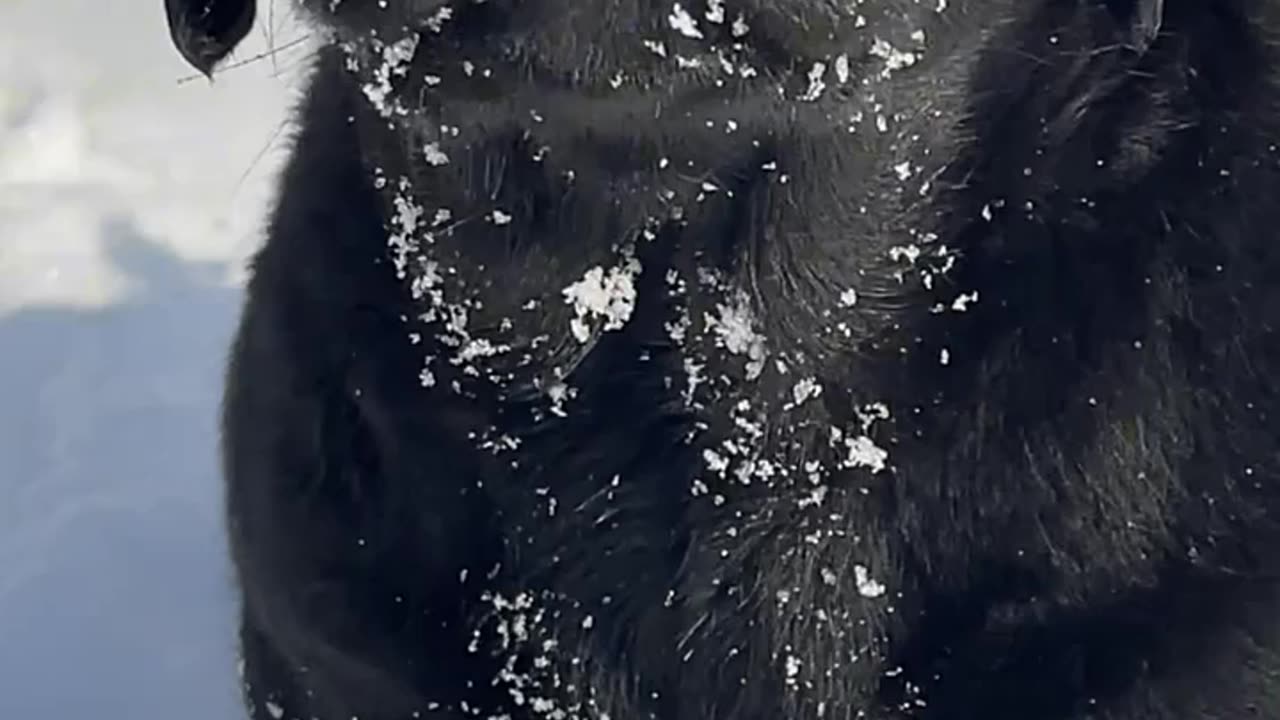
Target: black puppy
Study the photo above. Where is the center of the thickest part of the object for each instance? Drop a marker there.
(763, 359)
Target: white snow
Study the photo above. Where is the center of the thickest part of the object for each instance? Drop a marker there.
(128, 202)
(735, 329)
(867, 587)
(684, 23)
(609, 296)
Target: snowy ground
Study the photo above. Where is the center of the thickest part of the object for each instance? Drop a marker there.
(128, 202)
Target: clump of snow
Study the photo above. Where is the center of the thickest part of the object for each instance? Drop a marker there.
(894, 58)
(434, 155)
(684, 23)
(395, 63)
(715, 11)
(734, 326)
(862, 451)
(600, 294)
(805, 389)
(963, 300)
(867, 587)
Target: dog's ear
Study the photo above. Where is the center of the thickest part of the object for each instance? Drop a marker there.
(1143, 19)
(206, 31)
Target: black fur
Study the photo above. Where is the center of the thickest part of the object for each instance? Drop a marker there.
(1054, 499)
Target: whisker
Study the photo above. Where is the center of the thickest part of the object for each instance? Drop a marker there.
(270, 53)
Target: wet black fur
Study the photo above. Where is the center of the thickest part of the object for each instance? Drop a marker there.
(1079, 520)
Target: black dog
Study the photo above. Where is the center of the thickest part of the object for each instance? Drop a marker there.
(765, 359)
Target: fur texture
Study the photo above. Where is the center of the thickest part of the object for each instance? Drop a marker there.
(767, 359)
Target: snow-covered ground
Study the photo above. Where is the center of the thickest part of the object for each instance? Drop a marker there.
(128, 202)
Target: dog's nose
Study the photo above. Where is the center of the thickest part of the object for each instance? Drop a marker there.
(206, 31)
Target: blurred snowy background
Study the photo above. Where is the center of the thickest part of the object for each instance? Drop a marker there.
(129, 201)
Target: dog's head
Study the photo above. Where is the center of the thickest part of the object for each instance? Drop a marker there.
(816, 154)
(835, 123)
